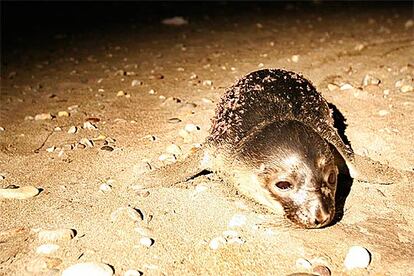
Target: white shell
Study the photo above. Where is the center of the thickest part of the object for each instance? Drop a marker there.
(147, 242)
(303, 263)
(56, 235)
(357, 257)
(19, 193)
(217, 242)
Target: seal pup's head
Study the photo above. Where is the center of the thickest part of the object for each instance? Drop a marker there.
(293, 167)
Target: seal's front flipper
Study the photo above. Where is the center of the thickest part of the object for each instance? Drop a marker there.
(374, 172)
(172, 174)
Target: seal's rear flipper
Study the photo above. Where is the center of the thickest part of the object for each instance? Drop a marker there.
(172, 174)
(374, 172)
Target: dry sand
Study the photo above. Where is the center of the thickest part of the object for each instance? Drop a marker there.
(86, 71)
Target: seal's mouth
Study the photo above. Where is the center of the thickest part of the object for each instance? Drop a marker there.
(320, 219)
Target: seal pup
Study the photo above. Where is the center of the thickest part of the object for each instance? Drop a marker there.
(274, 138)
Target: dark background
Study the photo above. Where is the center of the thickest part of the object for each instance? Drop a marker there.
(29, 17)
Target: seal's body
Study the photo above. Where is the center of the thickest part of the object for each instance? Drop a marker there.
(273, 129)
(273, 136)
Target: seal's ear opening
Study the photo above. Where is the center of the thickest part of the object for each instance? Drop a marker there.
(344, 184)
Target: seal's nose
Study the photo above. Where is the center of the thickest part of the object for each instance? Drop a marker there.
(322, 217)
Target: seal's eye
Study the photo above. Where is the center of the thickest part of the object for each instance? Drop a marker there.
(332, 178)
(283, 185)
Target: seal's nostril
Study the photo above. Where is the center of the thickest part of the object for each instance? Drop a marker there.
(322, 218)
(320, 222)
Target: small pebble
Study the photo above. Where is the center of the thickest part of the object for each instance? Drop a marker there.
(237, 220)
(2, 177)
(104, 187)
(321, 270)
(151, 138)
(141, 167)
(357, 257)
(86, 142)
(19, 193)
(207, 82)
(217, 242)
(89, 125)
(136, 83)
(156, 76)
(303, 263)
(206, 101)
(174, 120)
(28, 118)
(120, 73)
(63, 114)
(88, 269)
(332, 86)
(152, 92)
(235, 240)
(72, 130)
(370, 80)
(68, 146)
(406, 88)
(174, 21)
(51, 149)
(73, 107)
(191, 127)
(143, 193)
(190, 105)
(359, 47)
(107, 148)
(12, 75)
(174, 149)
(147, 242)
(383, 112)
(47, 248)
(120, 93)
(134, 214)
(100, 137)
(167, 157)
(62, 234)
(409, 23)
(57, 129)
(43, 116)
(295, 58)
(346, 86)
